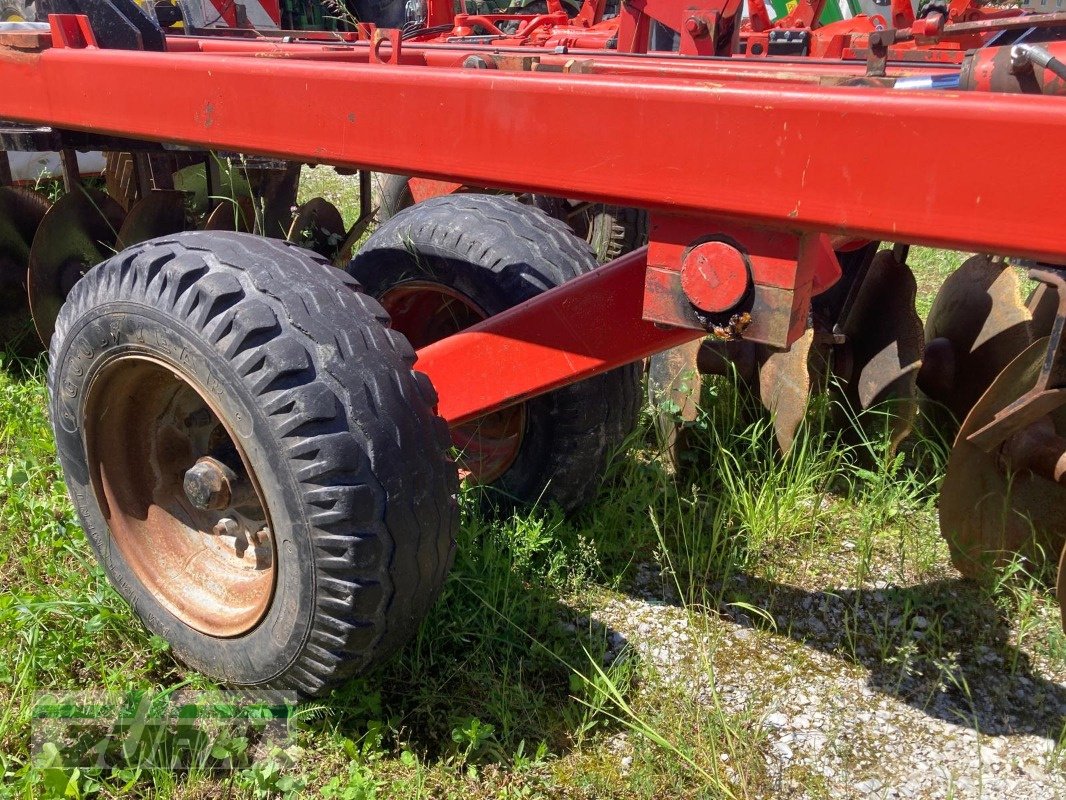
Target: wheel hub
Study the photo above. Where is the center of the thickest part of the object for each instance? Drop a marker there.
(179, 496)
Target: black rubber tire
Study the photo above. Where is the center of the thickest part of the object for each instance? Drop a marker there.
(611, 231)
(614, 231)
(390, 194)
(929, 7)
(352, 460)
(499, 253)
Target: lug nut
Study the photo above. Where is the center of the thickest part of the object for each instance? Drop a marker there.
(207, 485)
(226, 527)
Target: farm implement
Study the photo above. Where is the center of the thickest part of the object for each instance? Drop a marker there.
(256, 421)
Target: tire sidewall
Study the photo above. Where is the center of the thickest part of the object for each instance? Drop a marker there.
(113, 329)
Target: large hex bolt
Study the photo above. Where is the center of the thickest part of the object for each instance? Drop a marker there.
(207, 484)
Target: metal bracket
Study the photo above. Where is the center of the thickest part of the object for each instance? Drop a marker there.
(116, 24)
(786, 271)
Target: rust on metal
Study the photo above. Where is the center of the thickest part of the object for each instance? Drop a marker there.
(318, 226)
(161, 212)
(884, 339)
(979, 311)
(674, 387)
(79, 231)
(232, 215)
(21, 213)
(993, 505)
(1043, 396)
(211, 563)
(786, 381)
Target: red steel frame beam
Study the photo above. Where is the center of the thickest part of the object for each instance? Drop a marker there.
(799, 158)
(585, 327)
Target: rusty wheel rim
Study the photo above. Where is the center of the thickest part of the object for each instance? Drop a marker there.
(425, 312)
(210, 561)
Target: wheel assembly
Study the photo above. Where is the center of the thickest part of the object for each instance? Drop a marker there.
(258, 510)
(79, 231)
(451, 261)
(21, 213)
(185, 508)
(611, 231)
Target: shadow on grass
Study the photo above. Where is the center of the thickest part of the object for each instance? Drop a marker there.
(501, 647)
(942, 647)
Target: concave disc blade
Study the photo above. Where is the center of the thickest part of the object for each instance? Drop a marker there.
(987, 514)
(1043, 305)
(78, 232)
(674, 384)
(786, 380)
(21, 213)
(120, 178)
(318, 226)
(232, 215)
(885, 340)
(980, 312)
(161, 213)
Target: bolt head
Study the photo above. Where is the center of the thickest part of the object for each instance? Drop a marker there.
(226, 527)
(715, 276)
(206, 485)
(696, 27)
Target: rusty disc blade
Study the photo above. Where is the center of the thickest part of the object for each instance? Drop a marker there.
(21, 212)
(77, 233)
(232, 215)
(161, 213)
(318, 226)
(674, 384)
(786, 381)
(1043, 305)
(987, 512)
(120, 178)
(885, 342)
(978, 316)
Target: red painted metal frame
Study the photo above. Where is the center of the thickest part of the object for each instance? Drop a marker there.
(799, 158)
(583, 328)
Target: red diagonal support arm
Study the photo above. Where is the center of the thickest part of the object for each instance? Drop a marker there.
(581, 328)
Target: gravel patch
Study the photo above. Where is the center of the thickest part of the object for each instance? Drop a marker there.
(891, 692)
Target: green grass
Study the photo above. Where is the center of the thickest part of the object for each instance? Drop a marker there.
(520, 684)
